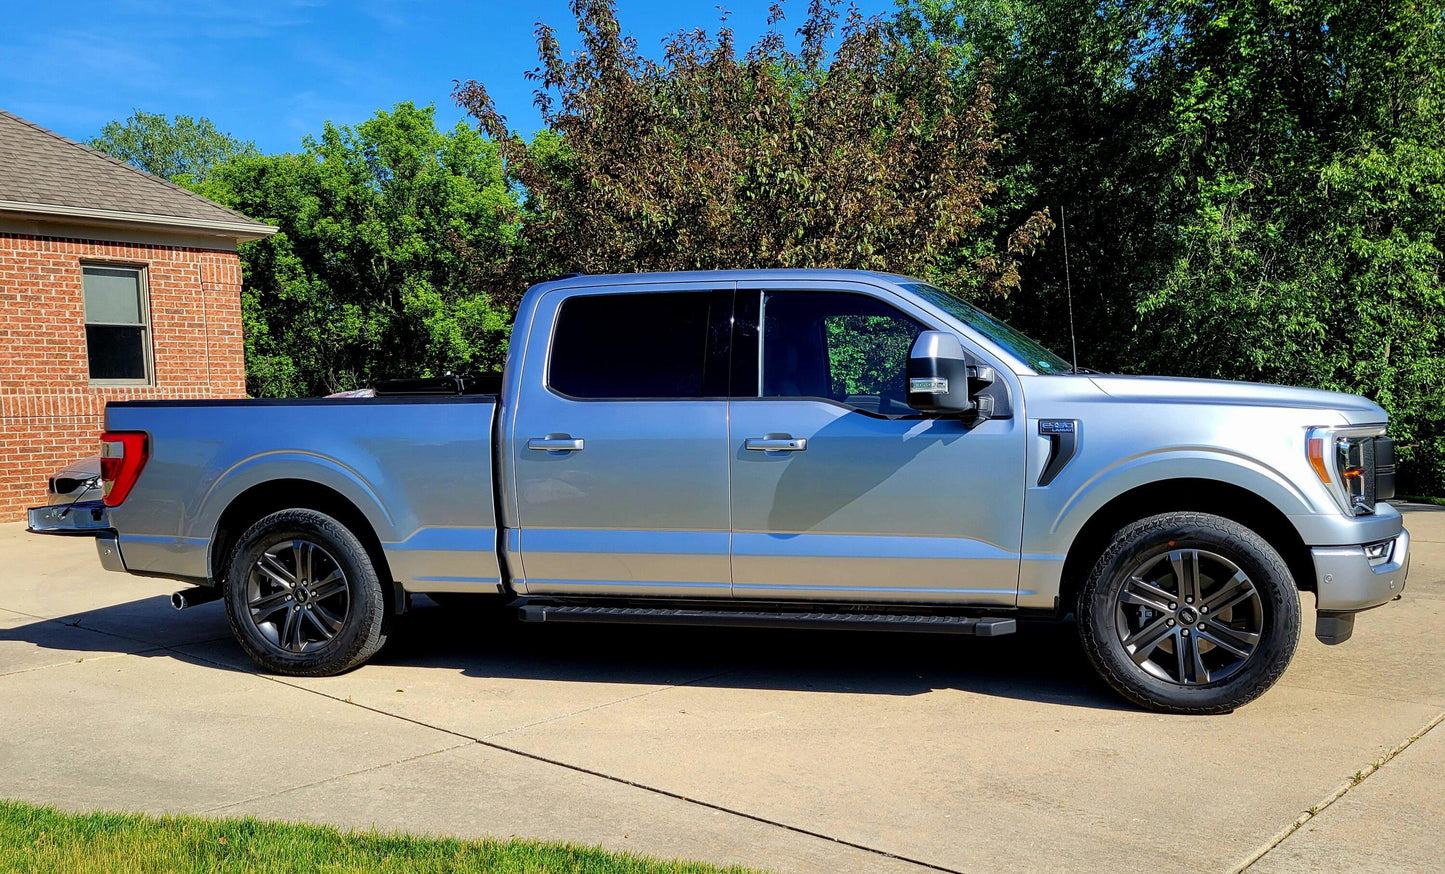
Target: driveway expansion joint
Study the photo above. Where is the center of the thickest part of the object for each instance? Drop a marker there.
(324, 780)
(86, 659)
(575, 768)
(1339, 792)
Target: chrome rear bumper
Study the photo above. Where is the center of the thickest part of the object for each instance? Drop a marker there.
(85, 519)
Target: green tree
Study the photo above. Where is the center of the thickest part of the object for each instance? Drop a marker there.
(1306, 144)
(1076, 116)
(1253, 187)
(183, 151)
(384, 264)
(864, 156)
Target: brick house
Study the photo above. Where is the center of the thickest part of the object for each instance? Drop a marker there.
(114, 285)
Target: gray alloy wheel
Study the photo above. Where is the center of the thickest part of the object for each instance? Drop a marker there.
(1189, 616)
(304, 596)
(1188, 612)
(297, 596)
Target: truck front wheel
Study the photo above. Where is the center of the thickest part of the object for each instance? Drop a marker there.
(303, 595)
(1189, 613)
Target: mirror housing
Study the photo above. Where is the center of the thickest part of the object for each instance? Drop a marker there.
(938, 375)
(942, 381)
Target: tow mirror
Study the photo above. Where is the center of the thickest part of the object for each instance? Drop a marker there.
(938, 375)
(942, 382)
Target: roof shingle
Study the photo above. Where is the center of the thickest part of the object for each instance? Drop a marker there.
(40, 168)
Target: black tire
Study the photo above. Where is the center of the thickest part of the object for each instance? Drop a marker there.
(356, 632)
(1174, 674)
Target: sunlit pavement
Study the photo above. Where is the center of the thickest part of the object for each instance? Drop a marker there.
(798, 751)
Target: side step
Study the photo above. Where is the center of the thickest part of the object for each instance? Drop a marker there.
(977, 626)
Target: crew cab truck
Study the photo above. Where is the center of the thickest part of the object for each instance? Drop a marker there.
(774, 448)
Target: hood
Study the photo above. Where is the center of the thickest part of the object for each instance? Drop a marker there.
(1357, 410)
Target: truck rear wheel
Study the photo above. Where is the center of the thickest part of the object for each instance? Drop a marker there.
(1189, 613)
(303, 595)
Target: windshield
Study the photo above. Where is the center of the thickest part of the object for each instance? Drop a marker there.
(1026, 349)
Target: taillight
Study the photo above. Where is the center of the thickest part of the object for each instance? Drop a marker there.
(123, 455)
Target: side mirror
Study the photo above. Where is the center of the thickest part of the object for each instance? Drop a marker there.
(941, 381)
(938, 375)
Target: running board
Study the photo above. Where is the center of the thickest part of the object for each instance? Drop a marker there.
(977, 626)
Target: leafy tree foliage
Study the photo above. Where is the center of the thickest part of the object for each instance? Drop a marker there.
(1307, 144)
(182, 151)
(864, 156)
(382, 267)
(1253, 188)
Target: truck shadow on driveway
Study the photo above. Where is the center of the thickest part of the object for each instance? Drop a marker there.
(1043, 662)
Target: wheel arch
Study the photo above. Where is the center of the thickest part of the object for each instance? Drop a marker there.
(271, 496)
(1218, 498)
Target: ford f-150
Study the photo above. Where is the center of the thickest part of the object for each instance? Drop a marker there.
(823, 449)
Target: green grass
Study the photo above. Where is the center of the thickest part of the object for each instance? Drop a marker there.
(44, 839)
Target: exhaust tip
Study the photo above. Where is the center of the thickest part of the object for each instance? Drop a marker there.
(194, 596)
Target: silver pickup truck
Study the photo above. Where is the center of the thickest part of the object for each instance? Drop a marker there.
(820, 449)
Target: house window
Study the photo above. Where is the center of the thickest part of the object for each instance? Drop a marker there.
(117, 330)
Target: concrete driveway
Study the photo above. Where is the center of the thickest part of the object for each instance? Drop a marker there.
(797, 751)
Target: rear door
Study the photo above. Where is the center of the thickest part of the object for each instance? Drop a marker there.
(839, 490)
(619, 444)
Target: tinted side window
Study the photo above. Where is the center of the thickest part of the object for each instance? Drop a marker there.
(640, 346)
(845, 347)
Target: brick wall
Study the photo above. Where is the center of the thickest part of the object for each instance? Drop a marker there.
(49, 413)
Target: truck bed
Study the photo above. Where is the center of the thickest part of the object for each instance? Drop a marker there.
(419, 469)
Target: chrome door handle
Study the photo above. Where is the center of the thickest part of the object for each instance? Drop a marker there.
(776, 444)
(555, 444)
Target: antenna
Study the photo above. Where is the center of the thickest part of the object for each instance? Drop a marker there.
(1069, 291)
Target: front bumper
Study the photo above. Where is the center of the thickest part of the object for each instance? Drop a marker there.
(84, 519)
(1346, 582)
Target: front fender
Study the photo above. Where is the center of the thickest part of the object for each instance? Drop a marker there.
(1054, 515)
(1201, 462)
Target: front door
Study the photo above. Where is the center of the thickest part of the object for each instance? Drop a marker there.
(839, 490)
(619, 447)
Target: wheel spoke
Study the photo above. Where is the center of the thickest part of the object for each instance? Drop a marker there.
(1146, 594)
(1240, 643)
(275, 571)
(303, 552)
(290, 629)
(264, 607)
(1191, 663)
(1201, 673)
(1186, 573)
(1236, 589)
(334, 583)
(309, 615)
(328, 622)
(1144, 641)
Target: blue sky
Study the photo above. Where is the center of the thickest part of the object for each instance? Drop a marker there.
(272, 71)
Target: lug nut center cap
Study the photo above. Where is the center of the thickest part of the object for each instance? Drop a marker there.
(1188, 616)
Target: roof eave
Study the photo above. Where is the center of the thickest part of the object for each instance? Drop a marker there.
(240, 231)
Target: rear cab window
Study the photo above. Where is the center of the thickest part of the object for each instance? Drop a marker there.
(641, 346)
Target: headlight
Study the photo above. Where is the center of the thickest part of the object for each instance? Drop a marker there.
(1345, 461)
